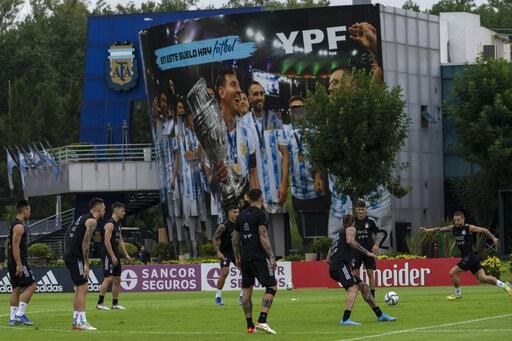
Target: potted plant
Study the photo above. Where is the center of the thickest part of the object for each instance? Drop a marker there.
(310, 253)
(184, 252)
(39, 253)
(321, 246)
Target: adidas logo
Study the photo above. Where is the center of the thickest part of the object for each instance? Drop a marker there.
(5, 284)
(93, 283)
(48, 283)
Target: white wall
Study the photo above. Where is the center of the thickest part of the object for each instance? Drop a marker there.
(411, 59)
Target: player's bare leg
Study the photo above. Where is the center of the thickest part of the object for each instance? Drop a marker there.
(371, 281)
(116, 288)
(454, 275)
(484, 278)
(368, 297)
(220, 285)
(266, 303)
(247, 307)
(25, 296)
(349, 305)
(103, 290)
(79, 318)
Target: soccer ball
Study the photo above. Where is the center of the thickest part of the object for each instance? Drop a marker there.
(391, 298)
(289, 286)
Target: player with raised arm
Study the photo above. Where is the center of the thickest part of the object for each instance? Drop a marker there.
(114, 249)
(255, 259)
(464, 237)
(224, 248)
(22, 278)
(340, 256)
(78, 243)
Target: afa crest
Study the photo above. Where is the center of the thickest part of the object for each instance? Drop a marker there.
(122, 72)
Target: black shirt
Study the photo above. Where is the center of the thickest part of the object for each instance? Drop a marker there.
(74, 238)
(364, 232)
(464, 239)
(115, 237)
(23, 243)
(341, 252)
(247, 224)
(226, 246)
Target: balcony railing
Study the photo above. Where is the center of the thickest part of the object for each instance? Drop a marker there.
(103, 153)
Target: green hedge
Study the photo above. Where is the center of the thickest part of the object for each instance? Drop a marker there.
(39, 250)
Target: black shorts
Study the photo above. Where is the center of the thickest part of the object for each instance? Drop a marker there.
(76, 270)
(109, 269)
(26, 279)
(369, 262)
(260, 269)
(342, 273)
(228, 258)
(471, 263)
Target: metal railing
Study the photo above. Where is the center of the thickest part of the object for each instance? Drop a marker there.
(52, 223)
(103, 153)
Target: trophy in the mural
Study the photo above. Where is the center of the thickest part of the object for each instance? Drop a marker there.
(212, 135)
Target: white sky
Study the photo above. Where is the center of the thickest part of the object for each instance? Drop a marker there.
(203, 3)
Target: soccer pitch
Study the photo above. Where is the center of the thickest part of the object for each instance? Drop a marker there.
(484, 313)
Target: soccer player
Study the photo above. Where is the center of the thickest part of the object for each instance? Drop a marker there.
(464, 237)
(22, 279)
(366, 229)
(113, 250)
(224, 248)
(76, 257)
(340, 256)
(255, 260)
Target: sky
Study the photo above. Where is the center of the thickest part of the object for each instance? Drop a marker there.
(203, 3)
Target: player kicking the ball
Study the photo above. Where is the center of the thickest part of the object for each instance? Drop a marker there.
(340, 256)
(224, 247)
(114, 249)
(255, 260)
(463, 234)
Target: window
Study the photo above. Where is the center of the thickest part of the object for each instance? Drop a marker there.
(489, 52)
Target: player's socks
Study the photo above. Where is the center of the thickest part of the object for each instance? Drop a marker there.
(458, 291)
(13, 312)
(115, 301)
(500, 284)
(250, 323)
(101, 299)
(218, 294)
(82, 317)
(75, 317)
(21, 309)
(373, 293)
(377, 311)
(262, 318)
(346, 315)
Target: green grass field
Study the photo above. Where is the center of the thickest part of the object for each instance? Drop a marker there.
(485, 313)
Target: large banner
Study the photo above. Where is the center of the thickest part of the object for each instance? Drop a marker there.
(199, 78)
(389, 273)
(210, 274)
(153, 278)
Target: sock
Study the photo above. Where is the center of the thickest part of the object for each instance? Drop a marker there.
(21, 309)
(373, 293)
(115, 301)
(262, 318)
(250, 324)
(13, 311)
(101, 299)
(218, 294)
(75, 317)
(81, 316)
(500, 284)
(241, 293)
(346, 315)
(458, 291)
(377, 311)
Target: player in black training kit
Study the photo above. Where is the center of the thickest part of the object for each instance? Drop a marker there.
(224, 248)
(111, 257)
(463, 234)
(340, 256)
(366, 228)
(22, 279)
(255, 259)
(78, 243)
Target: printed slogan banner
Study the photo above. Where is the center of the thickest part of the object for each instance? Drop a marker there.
(201, 52)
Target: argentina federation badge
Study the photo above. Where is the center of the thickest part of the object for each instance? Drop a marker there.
(122, 72)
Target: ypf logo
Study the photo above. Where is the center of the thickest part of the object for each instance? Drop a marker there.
(128, 279)
(213, 276)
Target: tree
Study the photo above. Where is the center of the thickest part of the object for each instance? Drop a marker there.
(9, 10)
(482, 116)
(496, 15)
(452, 6)
(355, 133)
(411, 6)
